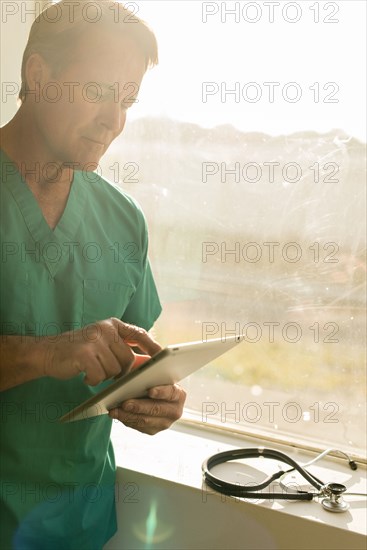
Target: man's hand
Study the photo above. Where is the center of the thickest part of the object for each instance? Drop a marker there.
(100, 351)
(163, 407)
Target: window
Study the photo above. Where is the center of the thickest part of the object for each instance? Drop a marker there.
(246, 150)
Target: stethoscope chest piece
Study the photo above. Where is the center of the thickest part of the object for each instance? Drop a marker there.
(333, 501)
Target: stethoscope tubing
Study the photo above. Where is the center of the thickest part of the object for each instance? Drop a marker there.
(237, 490)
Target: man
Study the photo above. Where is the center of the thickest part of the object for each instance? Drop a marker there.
(77, 293)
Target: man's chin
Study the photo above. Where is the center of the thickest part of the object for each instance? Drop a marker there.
(88, 163)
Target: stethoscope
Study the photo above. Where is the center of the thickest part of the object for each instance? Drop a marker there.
(332, 493)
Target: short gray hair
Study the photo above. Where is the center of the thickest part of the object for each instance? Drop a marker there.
(56, 31)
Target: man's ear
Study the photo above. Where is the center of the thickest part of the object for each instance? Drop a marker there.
(37, 73)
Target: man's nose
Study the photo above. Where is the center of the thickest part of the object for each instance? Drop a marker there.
(112, 116)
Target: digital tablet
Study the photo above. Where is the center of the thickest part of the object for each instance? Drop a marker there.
(168, 366)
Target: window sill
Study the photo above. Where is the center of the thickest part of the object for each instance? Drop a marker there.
(171, 461)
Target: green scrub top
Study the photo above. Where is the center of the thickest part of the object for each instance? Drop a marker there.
(57, 480)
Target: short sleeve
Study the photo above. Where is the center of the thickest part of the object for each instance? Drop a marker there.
(144, 307)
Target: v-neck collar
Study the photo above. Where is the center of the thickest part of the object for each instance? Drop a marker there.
(41, 232)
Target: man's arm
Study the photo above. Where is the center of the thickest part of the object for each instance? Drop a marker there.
(21, 360)
(101, 352)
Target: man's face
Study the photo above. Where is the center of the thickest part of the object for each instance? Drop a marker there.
(80, 125)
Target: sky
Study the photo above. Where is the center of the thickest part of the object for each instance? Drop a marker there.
(317, 68)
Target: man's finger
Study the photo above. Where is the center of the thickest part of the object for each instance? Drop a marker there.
(145, 423)
(167, 393)
(124, 355)
(136, 336)
(140, 360)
